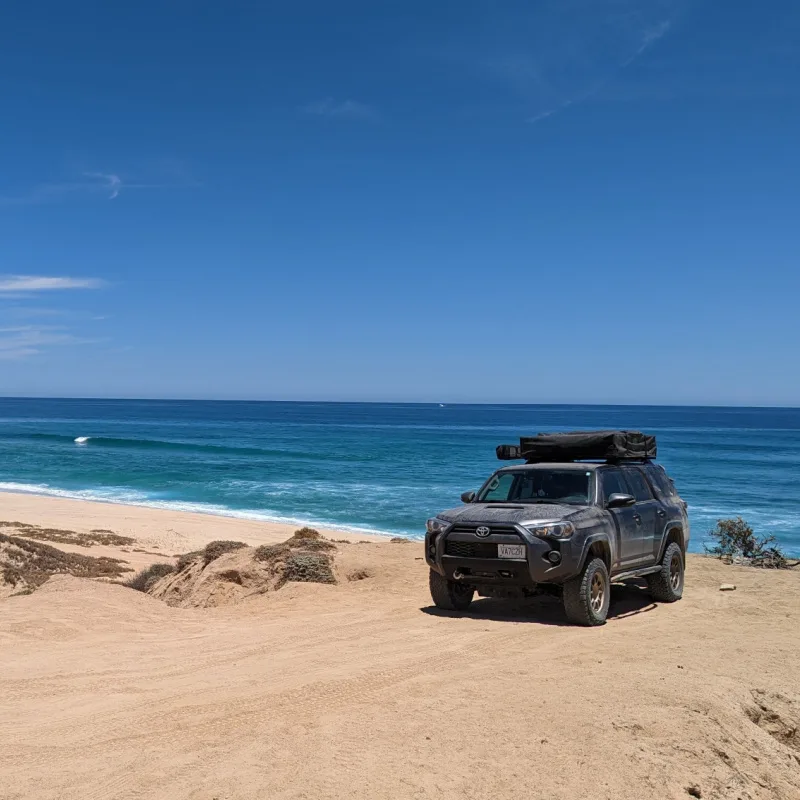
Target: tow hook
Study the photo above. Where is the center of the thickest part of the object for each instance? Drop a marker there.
(458, 575)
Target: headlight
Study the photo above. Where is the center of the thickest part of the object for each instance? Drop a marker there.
(435, 525)
(551, 530)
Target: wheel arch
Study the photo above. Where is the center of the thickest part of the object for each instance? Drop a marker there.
(597, 547)
(673, 533)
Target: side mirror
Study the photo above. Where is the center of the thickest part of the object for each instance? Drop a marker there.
(467, 497)
(618, 500)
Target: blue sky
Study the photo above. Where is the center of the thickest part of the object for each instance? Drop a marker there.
(572, 200)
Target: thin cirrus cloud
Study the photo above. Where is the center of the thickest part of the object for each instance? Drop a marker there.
(642, 41)
(16, 284)
(341, 109)
(553, 56)
(107, 185)
(21, 342)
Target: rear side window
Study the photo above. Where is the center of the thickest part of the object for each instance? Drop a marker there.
(613, 483)
(661, 481)
(639, 488)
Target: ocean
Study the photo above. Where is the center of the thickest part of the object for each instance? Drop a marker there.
(376, 467)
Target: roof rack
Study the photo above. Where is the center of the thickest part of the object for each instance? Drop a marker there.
(613, 446)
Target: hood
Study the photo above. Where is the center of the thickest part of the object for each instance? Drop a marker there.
(508, 513)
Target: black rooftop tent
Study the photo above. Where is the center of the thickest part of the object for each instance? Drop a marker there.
(581, 446)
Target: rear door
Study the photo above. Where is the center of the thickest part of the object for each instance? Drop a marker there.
(673, 509)
(649, 511)
(626, 520)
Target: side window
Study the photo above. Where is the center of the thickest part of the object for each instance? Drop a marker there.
(660, 480)
(498, 487)
(639, 488)
(613, 483)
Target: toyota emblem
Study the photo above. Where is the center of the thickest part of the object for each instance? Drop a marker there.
(483, 531)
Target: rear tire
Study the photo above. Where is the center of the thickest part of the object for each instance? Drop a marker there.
(666, 585)
(587, 597)
(449, 595)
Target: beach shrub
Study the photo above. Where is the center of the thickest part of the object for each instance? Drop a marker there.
(309, 568)
(186, 559)
(267, 552)
(32, 563)
(213, 550)
(311, 544)
(309, 539)
(735, 540)
(307, 533)
(144, 580)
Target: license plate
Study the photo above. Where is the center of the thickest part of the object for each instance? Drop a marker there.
(511, 551)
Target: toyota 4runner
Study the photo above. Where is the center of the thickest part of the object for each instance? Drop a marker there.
(585, 510)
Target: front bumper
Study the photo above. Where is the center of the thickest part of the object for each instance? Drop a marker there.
(536, 568)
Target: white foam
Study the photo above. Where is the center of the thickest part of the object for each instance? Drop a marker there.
(82, 439)
(134, 498)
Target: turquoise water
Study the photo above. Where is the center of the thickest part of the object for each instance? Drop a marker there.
(375, 467)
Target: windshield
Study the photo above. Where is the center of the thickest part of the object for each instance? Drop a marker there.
(538, 486)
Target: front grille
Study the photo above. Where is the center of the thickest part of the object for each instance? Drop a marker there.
(493, 528)
(470, 549)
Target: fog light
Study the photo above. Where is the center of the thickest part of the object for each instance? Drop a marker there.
(554, 557)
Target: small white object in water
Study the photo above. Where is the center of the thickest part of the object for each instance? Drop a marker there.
(82, 439)
(441, 405)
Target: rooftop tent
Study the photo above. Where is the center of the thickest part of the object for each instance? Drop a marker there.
(581, 446)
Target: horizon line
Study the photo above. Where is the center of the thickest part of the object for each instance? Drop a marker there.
(437, 403)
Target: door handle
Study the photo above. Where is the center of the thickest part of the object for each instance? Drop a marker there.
(638, 519)
(661, 512)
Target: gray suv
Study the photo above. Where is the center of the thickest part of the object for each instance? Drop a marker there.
(567, 526)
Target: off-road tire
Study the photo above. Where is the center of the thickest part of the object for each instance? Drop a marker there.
(587, 597)
(449, 595)
(666, 585)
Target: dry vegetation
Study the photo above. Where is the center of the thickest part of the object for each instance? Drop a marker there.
(735, 542)
(25, 565)
(226, 572)
(146, 578)
(213, 550)
(98, 536)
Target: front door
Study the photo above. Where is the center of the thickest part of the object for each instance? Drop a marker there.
(647, 508)
(627, 520)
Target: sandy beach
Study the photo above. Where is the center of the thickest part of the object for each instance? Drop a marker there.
(362, 690)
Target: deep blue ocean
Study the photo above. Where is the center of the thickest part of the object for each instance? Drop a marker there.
(376, 467)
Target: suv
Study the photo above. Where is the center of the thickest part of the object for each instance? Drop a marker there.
(565, 526)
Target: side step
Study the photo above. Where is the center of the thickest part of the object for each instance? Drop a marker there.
(635, 573)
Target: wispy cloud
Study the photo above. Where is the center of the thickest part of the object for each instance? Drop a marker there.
(21, 342)
(642, 41)
(113, 183)
(648, 38)
(20, 284)
(107, 185)
(344, 109)
(548, 56)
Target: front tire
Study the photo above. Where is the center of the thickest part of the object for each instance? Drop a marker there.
(587, 597)
(666, 585)
(449, 595)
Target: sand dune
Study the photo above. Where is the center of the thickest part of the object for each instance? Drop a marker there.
(362, 690)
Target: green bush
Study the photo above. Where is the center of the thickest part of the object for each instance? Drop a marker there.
(307, 533)
(186, 559)
(213, 550)
(735, 539)
(269, 551)
(144, 580)
(309, 568)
